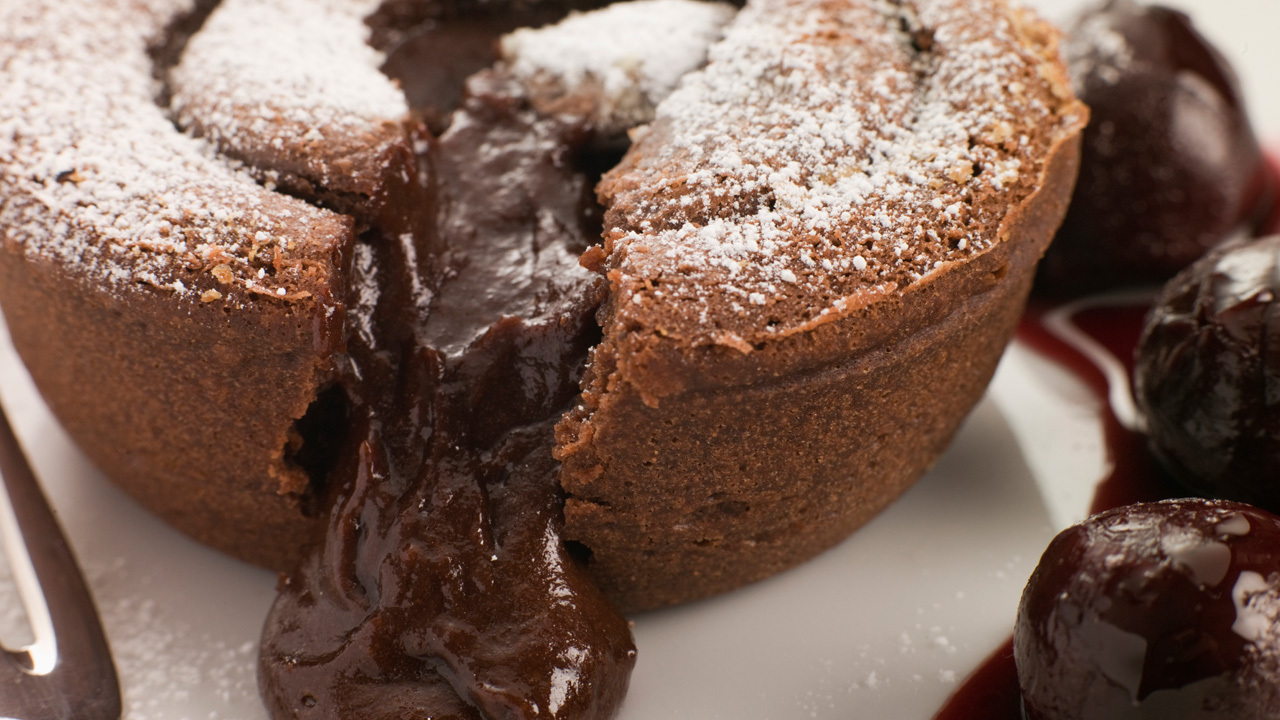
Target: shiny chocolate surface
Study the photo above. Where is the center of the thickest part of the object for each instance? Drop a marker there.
(441, 588)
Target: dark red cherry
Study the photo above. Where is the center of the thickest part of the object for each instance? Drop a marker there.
(1207, 374)
(1165, 610)
(1170, 165)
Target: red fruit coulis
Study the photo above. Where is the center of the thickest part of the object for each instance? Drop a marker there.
(1133, 475)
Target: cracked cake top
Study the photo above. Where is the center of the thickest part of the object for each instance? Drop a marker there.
(94, 177)
(830, 154)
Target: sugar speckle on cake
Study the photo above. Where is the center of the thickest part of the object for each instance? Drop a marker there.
(842, 148)
(624, 58)
(1096, 49)
(95, 177)
(253, 90)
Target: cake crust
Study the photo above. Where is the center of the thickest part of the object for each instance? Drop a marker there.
(190, 413)
(682, 506)
(176, 316)
(807, 295)
(717, 442)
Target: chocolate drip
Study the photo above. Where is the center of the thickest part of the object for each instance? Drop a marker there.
(442, 588)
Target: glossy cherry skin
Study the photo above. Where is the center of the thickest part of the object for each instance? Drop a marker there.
(1207, 374)
(1170, 165)
(1163, 610)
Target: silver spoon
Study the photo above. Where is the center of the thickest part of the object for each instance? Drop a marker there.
(67, 672)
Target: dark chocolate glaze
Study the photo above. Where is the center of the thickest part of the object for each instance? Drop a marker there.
(1208, 374)
(1170, 165)
(433, 62)
(441, 588)
(398, 21)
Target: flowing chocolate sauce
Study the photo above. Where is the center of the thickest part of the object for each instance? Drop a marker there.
(1133, 474)
(441, 588)
(433, 48)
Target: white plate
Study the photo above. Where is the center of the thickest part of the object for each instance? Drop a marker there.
(883, 626)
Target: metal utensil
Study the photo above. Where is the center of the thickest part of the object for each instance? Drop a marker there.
(67, 672)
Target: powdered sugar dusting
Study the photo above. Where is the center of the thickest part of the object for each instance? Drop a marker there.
(294, 80)
(1096, 49)
(95, 178)
(627, 56)
(827, 151)
(165, 662)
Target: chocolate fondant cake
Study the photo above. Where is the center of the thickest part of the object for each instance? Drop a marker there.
(809, 259)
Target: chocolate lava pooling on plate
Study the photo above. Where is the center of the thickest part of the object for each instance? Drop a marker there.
(442, 588)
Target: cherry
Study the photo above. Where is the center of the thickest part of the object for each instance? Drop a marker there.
(1159, 610)
(1170, 165)
(1207, 374)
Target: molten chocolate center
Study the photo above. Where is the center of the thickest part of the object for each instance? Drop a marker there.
(441, 588)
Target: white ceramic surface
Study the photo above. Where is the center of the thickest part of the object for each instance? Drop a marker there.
(882, 627)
